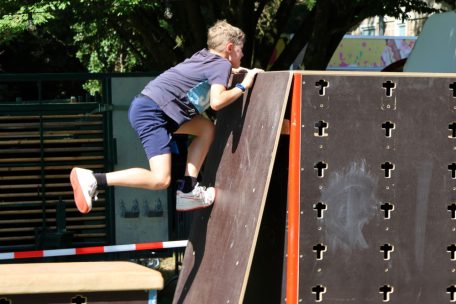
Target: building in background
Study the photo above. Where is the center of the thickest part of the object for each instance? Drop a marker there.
(389, 26)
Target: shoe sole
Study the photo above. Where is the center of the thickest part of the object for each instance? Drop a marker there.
(193, 208)
(197, 207)
(79, 198)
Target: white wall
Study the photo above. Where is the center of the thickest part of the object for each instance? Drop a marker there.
(131, 154)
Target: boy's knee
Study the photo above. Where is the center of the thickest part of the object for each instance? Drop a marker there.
(163, 182)
(210, 131)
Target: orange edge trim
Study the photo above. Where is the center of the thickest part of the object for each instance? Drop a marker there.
(294, 193)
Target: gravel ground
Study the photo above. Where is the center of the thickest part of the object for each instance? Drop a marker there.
(168, 270)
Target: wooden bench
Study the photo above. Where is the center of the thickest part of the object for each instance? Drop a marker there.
(79, 283)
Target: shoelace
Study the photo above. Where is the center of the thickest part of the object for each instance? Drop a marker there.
(198, 191)
(93, 192)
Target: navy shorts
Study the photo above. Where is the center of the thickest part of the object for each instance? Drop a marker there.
(154, 128)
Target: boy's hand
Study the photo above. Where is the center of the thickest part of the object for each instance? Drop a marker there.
(239, 70)
(221, 97)
(250, 77)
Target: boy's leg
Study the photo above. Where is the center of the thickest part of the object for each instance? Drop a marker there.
(85, 183)
(203, 129)
(190, 195)
(157, 178)
(153, 128)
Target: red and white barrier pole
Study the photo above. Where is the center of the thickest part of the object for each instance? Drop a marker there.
(91, 250)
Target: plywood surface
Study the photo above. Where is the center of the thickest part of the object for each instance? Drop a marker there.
(344, 246)
(222, 241)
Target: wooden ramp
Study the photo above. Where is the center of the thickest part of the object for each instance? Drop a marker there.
(222, 241)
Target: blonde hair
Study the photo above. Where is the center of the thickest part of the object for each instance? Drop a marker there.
(222, 33)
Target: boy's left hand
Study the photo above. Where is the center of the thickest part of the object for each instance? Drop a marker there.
(239, 70)
(250, 76)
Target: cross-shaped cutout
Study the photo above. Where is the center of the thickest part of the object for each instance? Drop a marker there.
(321, 167)
(321, 126)
(79, 300)
(5, 301)
(319, 291)
(452, 128)
(319, 249)
(452, 209)
(386, 290)
(387, 207)
(452, 250)
(320, 207)
(452, 291)
(388, 167)
(389, 86)
(386, 249)
(323, 84)
(453, 88)
(389, 127)
(452, 168)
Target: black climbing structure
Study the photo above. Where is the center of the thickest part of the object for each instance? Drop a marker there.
(378, 189)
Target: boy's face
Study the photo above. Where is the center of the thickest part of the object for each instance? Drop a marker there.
(236, 55)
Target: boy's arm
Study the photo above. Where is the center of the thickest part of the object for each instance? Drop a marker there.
(221, 97)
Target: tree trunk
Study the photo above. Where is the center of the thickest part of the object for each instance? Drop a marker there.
(296, 44)
(321, 32)
(281, 20)
(196, 27)
(320, 38)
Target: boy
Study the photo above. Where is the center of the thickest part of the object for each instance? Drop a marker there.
(170, 104)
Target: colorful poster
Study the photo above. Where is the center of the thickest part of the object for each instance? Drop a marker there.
(370, 53)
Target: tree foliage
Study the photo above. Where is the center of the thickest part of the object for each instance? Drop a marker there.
(141, 35)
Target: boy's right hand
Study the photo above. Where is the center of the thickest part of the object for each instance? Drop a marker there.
(250, 77)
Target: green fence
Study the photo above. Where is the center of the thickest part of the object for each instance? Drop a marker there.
(48, 124)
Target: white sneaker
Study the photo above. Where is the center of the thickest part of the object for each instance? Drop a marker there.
(84, 188)
(199, 198)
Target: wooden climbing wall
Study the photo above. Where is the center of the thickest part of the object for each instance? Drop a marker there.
(222, 241)
(378, 188)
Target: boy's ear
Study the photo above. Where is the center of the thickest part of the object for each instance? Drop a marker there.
(229, 47)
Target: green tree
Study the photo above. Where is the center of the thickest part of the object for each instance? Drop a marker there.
(37, 38)
(140, 35)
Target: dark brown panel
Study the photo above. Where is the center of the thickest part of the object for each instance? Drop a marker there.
(221, 244)
(266, 273)
(344, 127)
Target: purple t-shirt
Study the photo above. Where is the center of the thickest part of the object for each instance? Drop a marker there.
(183, 90)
